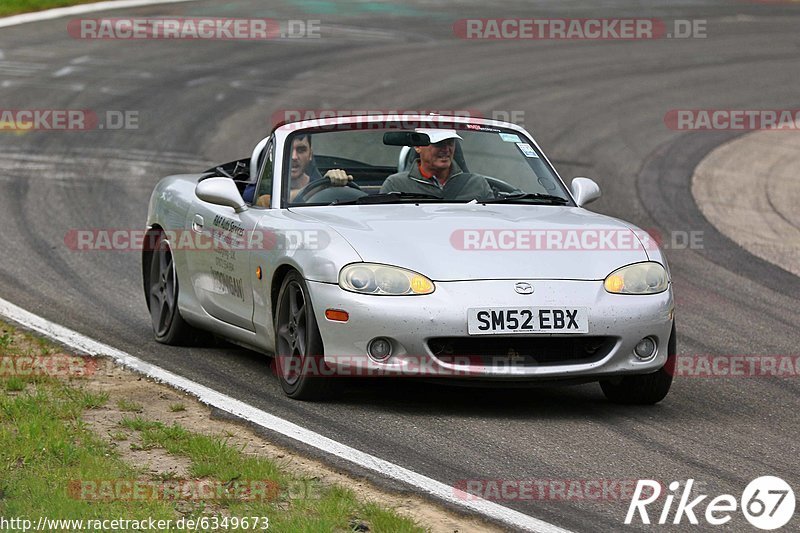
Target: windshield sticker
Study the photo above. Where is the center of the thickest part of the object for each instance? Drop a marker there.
(478, 127)
(510, 138)
(526, 149)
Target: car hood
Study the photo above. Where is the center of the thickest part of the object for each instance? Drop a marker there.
(449, 242)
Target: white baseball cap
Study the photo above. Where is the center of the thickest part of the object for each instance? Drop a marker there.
(437, 135)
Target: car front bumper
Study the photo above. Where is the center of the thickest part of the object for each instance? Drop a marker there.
(416, 325)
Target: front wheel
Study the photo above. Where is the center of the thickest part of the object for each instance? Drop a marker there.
(645, 389)
(168, 324)
(299, 360)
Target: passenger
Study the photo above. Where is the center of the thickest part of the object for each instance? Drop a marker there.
(436, 173)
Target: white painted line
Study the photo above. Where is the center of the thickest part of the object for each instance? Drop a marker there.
(49, 14)
(261, 418)
(21, 64)
(64, 71)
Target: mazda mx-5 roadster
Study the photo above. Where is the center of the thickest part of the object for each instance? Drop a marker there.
(428, 246)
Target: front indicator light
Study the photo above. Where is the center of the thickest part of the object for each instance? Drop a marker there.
(614, 283)
(640, 278)
(421, 285)
(337, 315)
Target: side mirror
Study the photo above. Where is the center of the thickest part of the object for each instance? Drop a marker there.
(220, 191)
(584, 191)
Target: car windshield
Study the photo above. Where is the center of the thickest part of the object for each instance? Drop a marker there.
(469, 163)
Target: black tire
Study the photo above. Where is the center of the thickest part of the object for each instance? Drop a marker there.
(299, 361)
(168, 324)
(644, 389)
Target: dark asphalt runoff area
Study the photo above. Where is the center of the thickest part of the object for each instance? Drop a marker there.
(596, 107)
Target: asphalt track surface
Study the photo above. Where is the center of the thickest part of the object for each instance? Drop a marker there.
(597, 109)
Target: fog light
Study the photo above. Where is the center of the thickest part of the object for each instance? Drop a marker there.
(379, 348)
(646, 348)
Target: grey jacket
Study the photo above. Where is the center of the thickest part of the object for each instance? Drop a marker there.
(459, 186)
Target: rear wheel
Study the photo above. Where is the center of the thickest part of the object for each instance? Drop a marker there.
(299, 360)
(644, 389)
(168, 324)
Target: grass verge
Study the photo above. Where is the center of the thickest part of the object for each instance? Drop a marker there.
(53, 465)
(14, 7)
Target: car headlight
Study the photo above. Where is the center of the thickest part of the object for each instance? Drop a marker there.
(371, 278)
(641, 278)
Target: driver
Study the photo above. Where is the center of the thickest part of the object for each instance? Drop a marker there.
(436, 173)
(303, 171)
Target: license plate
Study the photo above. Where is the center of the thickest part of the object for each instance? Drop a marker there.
(509, 320)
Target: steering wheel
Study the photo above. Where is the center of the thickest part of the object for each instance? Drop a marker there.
(499, 186)
(317, 186)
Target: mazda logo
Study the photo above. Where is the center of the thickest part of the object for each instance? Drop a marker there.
(523, 288)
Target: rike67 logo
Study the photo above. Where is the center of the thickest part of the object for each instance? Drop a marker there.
(767, 502)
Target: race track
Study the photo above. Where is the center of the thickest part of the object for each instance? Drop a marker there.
(596, 107)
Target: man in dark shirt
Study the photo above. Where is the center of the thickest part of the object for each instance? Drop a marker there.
(302, 172)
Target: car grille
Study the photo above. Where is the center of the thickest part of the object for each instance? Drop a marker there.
(521, 351)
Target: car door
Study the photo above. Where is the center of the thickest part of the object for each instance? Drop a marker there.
(219, 263)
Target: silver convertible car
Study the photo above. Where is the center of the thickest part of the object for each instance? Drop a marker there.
(426, 246)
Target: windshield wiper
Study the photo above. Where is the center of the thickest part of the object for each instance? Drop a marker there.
(534, 196)
(388, 197)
